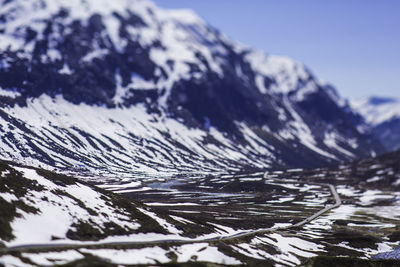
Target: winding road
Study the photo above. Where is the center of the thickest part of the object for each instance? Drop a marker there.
(125, 244)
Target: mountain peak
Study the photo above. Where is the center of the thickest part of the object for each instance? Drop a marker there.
(377, 110)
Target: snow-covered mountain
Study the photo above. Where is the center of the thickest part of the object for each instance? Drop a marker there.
(384, 115)
(121, 87)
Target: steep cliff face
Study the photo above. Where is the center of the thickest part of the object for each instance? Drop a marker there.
(122, 86)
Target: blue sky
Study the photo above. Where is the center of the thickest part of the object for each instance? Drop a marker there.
(353, 44)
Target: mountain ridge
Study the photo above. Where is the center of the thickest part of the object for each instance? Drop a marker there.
(237, 106)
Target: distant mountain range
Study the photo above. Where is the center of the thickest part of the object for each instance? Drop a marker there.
(120, 88)
(384, 116)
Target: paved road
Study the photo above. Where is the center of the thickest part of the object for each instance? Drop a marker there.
(47, 247)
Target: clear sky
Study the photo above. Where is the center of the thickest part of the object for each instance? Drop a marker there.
(353, 44)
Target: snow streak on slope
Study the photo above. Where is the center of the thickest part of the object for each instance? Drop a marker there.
(288, 73)
(123, 141)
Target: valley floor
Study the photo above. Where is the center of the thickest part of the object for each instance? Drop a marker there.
(255, 219)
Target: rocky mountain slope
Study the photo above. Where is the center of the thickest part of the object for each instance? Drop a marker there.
(38, 206)
(116, 88)
(384, 116)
